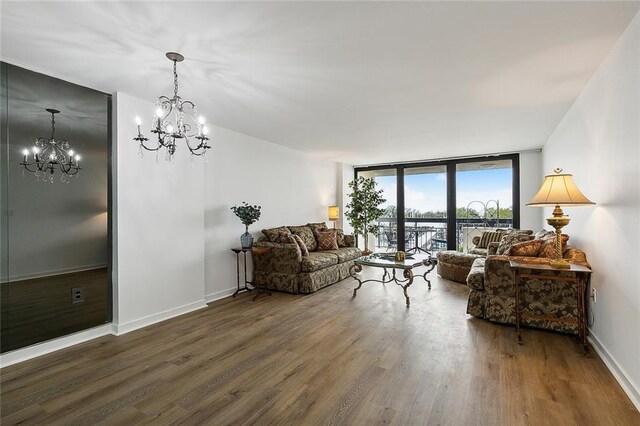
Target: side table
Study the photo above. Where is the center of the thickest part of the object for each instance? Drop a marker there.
(247, 282)
(237, 251)
(576, 274)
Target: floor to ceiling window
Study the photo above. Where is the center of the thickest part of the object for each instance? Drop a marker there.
(386, 179)
(440, 205)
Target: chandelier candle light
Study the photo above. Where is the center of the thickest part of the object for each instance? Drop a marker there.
(50, 154)
(175, 119)
(558, 190)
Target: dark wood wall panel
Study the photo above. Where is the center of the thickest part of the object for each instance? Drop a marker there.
(41, 309)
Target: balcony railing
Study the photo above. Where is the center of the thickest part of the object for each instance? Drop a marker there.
(430, 234)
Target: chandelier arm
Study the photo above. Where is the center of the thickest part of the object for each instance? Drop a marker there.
(26, 166)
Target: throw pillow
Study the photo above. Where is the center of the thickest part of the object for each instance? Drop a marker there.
(548, 248)
(489, 237)
(526, 248)
(297, 240)
(305, 233)
(542, 234)
(327, 239)
(512, 238)
(273, 234)
(340, 238)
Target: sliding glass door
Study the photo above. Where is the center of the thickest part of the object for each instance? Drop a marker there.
(484, 198)
(425, 208)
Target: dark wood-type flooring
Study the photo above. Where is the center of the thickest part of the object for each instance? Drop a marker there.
(321, 359)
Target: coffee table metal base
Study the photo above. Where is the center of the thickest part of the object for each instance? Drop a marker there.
(404, 283)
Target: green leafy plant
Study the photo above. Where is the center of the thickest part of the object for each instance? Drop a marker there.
(364, 210)
(247, 213)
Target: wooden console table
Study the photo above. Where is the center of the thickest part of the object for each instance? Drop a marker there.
(577, 274)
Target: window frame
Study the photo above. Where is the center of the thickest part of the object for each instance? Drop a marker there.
(451, 170)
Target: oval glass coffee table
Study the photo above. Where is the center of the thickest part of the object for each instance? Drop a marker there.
(385, 262)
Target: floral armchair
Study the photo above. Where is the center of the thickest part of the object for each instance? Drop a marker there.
(492, 295)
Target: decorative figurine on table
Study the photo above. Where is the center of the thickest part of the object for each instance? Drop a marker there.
(248, 215)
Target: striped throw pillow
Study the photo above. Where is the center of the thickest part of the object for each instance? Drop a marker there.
(489, 237)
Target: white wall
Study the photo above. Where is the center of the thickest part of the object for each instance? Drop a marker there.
(158, 224)
(345, 175)
(598, 142)
(292, 188)
(530, 180)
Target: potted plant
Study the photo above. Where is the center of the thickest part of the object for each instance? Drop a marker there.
(364, 209)
(248, 215)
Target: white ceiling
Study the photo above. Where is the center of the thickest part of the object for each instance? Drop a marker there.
(358, 82)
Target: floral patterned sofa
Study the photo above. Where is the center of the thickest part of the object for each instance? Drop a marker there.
(284, 266)
(492, 294)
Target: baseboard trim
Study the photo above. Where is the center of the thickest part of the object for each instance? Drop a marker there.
(212, 297)
(119, 329)
(628, 386)
(39, 349)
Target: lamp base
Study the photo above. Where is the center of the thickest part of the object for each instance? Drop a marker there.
(559, 264)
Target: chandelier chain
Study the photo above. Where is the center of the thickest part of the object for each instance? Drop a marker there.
(53, 125)
(175, 80)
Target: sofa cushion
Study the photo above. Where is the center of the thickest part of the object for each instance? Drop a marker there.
(305, 233)
(526, 248)
(318, 260)
(273, 234)
(548, 248)
(326, 239)
(475, 279)
(297, 240)
(511, 238)
(317, 226)
(542, 234)
(346, 254)
(478, 251)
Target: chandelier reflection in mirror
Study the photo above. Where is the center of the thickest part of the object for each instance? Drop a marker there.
(175, 119)
(49, 155)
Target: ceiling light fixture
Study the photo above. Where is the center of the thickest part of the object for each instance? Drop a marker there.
(49, 154)
(175, 119)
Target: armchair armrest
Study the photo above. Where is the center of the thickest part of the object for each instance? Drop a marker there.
(281, 258)
(350, 240)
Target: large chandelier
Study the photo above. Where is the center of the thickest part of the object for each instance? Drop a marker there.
(175, 119)
(50, 154)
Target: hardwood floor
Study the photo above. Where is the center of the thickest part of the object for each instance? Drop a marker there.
(321, 359)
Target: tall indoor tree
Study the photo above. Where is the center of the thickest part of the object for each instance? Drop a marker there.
(364, 210)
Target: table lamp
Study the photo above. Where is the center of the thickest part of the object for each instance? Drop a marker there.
(334, 214)
(558, 190)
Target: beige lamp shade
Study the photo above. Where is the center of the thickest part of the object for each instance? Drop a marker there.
(559, 189)
(334, 213)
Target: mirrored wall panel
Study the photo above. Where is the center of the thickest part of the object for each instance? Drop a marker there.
(56, 252)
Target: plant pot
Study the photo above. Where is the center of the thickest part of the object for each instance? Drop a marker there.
(246, 239)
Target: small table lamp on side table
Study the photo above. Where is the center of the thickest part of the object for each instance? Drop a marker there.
(334, 214)
(558, 190)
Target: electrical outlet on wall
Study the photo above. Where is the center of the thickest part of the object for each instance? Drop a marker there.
(593, 294)
(77, 294)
